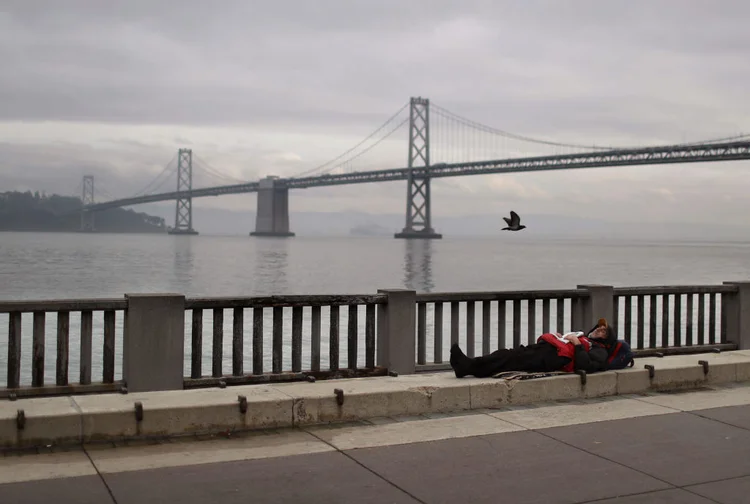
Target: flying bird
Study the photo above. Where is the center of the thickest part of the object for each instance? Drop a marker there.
(514, 223)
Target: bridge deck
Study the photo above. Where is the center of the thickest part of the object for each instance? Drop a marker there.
(666, 154)
(688, 448)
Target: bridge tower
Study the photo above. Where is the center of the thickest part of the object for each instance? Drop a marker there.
(87, 198)
(418, 217)
(272, 211)
(183, 216)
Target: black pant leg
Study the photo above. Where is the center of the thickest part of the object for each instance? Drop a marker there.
(536, 358)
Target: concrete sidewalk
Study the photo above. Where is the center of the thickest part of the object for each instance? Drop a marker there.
(687, 447)
(111, 417)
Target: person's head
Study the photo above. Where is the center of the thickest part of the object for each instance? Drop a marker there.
(603, 332)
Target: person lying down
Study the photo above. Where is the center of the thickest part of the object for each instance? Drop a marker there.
(570, 352)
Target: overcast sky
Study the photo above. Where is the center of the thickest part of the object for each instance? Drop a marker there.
(258, 87)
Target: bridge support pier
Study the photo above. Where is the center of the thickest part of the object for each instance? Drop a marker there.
(183, 216)
(418, 211)
(272, 215)
(87, 198)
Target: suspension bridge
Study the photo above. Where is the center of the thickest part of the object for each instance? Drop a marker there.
(462, 147)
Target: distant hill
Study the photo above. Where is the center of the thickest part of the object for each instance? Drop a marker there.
(27, 211)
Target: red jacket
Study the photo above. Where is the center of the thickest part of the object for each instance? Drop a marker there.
(565, 348)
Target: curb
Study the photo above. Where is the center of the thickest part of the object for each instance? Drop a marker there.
(115, 417)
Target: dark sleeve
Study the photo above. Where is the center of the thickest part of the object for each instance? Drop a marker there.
(591, 362)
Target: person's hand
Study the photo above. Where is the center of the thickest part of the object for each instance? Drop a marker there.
(574, 340)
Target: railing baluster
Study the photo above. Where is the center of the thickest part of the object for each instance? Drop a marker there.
(257, 341)
(315, 338)
(486, 312)
(545, 315)
(516, 323)
(14, 350)
(677, 320)
(628, 318)
(616, 314)
(351, 345)
(723, 320)
(37, 363)
(470, 319)
(217, 354)
(501, 324)
(438, 328)
(277, 348)
(370, 335)
(63, 341)
(560, 308)
(641, 323)
(421, 333)
(530, 321)
(712, 318)
(196, 337)
(652, 322)
(665, 320)
(108, 352)
(576, 314)
(297, 339)
(333, 340)
(454, 322)
(689, 321)
(702, 319)
(85, 360)
(238, 341)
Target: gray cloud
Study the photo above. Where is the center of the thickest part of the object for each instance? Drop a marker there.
(278, 87)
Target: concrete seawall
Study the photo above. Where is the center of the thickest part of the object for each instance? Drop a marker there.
(114, 417)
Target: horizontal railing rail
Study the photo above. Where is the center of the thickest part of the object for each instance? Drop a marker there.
(178, 342)
(58, 326)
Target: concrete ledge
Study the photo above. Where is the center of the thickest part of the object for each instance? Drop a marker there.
(113, 417)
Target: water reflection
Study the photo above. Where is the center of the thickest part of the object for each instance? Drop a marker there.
(183, 263)
(272, 261)
(418, 265)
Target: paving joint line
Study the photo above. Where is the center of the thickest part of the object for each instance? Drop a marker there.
(101, 476)
(342, 452)
(695, 413)
(684, 487)
(612, 499)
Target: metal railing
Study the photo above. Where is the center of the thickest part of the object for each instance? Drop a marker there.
(226, 341)
(313, 322)
(508, 319)
(47, 330)
(671, 316)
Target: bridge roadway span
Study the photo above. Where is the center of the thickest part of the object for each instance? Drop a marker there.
(553, 440)
(726, 151)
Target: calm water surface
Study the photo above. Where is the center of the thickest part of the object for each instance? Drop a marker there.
(51, 266)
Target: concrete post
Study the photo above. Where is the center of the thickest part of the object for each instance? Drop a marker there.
(396, 342)
(736, 315)
(599, 304)
(272, 216)
(153, 349)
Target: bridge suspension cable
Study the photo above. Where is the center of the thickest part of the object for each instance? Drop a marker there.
(451, 116)
(438, 110)
(321, 169)
(101, 191)
(168, 169)
(204, 167)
